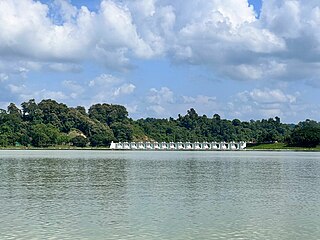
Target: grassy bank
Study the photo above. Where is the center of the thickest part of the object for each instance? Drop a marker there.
(280, 146)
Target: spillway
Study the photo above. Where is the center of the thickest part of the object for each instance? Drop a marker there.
(179, 146)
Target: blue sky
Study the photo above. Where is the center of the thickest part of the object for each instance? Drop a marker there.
(240, 59)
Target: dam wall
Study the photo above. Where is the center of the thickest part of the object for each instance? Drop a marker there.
(177, 146)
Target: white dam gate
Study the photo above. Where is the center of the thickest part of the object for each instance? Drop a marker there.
(198, 146)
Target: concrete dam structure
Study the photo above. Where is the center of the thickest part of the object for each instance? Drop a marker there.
(177, 146)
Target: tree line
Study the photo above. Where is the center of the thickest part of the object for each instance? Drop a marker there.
(49, 123)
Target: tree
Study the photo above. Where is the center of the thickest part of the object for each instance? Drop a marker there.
(54, 113)
(307, 136)
(3, 113)
(100, 134)
(217, 117)
(13, 110)
(236, 122)
(81, 110)
(43, 135)
(4, 140)
(108, 114)
(122, 132)
(50, 123)
(79, 141)
(31, 111)
(189, 121)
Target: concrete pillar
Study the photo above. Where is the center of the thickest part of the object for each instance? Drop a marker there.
(156, 146)
(134, 146)
(188, 146)
(148, 145)
(222, 146)
(141, 145)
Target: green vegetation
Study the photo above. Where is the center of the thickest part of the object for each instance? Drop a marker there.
(267, 146)
(280, 146)
(49, 124)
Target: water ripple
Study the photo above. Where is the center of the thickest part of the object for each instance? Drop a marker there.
(139, 195)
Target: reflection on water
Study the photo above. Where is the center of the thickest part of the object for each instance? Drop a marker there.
(159, 195)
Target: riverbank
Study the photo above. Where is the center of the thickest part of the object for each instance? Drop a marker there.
(257, 147)
(62, 147)
(279, 147)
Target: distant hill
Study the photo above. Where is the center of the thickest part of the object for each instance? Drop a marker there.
(49, 123)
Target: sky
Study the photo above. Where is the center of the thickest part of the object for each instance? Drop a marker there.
(241, 59)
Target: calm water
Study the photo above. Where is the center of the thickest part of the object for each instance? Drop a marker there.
(152, 195)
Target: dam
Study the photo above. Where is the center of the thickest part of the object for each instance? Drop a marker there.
(179, 146)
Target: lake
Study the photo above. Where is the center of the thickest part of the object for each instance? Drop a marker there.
(159, 195)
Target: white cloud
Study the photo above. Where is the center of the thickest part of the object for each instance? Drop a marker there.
(208, 105)
(3, 77)
(76, 90)
(164, 102)
(158, 110)
(264, 103)
(117, 20)
(16, 88)
(200, 99)
(124, 89)
(104, 80)
(11, 68)
(63, 10)
(145, 8)
(72, 85)
(47, 94)
(283, 44)
(228, 39)
(107, 87)
(224, 36)
(270, 69)
(154, 21)
(283, 17)
(104, 88)
(29, 32)
(159, 102)
(22, 93)
(64, 67)
(132, 109)
(271, 96)
(161, 96)
(267, 97)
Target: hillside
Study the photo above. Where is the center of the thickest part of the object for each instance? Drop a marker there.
(49, 123)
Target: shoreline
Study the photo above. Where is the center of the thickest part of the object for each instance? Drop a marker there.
(250, 149)
(269, 147)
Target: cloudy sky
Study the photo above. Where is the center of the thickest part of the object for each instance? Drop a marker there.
(240, 59)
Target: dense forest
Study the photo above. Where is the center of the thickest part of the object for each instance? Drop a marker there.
(49, 123)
